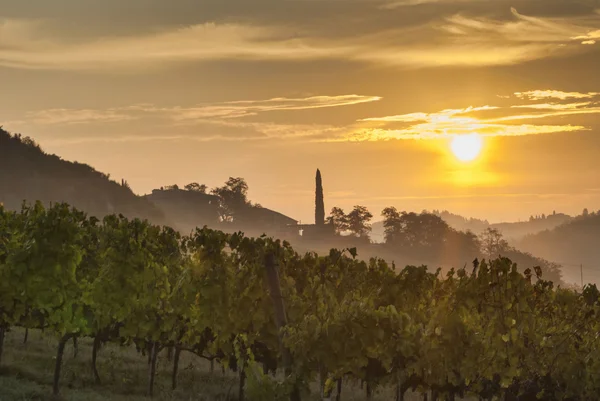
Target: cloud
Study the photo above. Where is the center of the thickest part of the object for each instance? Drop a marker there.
(554, 94)
(436, 131)
(440, 116)
(203, 113)
(226, 115)
(24, 45)
(589, 38)
(469, 120)
(459, 40)
(77, 140)
(392, 4)
(253, 107)
(552, 106)
(79, 116)
(226, 119)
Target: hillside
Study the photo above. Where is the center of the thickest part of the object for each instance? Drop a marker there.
(28, 173)
(571, 244)
(512, 231)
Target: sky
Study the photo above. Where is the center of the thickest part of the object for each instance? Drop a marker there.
(371, 92)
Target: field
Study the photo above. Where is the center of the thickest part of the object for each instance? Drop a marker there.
(27, 370)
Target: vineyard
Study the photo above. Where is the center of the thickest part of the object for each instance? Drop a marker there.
(284, 321)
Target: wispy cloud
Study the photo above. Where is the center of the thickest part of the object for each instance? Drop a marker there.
(24, 45)
(554, 94)
(589, 38)
(469, 120)
(253, 107)
(441, 116)
(79, 116)
(227, 119)
(552, 106)
(203, 113)
(392, 4)
(436, 131)
(459, 40)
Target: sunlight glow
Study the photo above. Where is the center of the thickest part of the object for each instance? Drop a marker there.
(466, 148)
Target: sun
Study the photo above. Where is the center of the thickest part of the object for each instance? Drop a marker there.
(466, 148)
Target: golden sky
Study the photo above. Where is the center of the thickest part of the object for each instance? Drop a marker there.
(372, 92)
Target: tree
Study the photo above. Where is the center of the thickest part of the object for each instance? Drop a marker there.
(195, 187)
(319, 202)
(358, 221)
(585, 213)
(338, 219)
(391, 224)
(233, 198)
(492, 242)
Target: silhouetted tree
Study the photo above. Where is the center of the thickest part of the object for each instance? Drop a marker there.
(493, 243)
(391, 224)
(233, 198)
(427, 236)
(338, 219)
(195, 187)
(319, 201)
(358, 221)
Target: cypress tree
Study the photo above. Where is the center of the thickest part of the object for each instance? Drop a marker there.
(319, 202)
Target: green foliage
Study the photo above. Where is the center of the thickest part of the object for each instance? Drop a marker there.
(489, 330)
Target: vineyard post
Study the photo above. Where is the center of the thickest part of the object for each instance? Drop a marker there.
(280, 316)
(175, 367)
(58, 365)
(75, 347)
(95, 348)
(152, 368)
(2, 331)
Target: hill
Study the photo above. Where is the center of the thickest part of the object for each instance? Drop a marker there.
(517, 230)
(27, 173)
(512, 231)
(572, 244)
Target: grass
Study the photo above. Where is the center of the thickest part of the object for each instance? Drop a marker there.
(27, 371)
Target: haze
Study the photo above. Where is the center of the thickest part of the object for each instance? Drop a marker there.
(371, 92)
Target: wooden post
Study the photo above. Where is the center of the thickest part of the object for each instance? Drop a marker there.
(369, 391)
(280, 317)
(95, 348)
(75, 347)
(2, 331)
(242, 384)
(58, 364)
(338, 397)
(154, 355)
(175, 367)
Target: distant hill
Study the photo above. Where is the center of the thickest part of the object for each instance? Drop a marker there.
(572, 244)
(28, 173)
(513, 232)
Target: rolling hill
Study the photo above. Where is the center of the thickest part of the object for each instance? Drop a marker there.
(27, 173)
